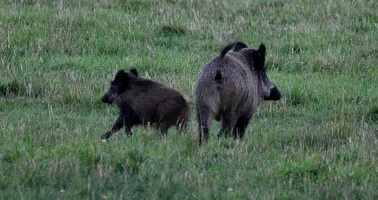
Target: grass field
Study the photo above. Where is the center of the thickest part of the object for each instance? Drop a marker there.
(320, 141)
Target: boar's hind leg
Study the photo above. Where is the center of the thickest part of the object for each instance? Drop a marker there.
(241, 125)
(204, 119)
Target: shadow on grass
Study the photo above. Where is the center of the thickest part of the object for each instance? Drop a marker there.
(373, 114)
(16, 89)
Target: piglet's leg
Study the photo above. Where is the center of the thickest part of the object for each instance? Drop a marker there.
(128, 130)
(162, 129)
(116, 127)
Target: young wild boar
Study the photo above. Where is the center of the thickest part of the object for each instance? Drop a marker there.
(143, 101)
(230, 89)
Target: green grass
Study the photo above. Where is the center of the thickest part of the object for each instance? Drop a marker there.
(57, 58)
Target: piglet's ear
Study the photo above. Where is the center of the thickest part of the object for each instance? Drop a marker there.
(122, 80)
(134, 71)
(121, 77)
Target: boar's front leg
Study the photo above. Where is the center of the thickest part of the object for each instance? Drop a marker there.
(117, 126)
(227, 126)
(240, 126)
(229, 119)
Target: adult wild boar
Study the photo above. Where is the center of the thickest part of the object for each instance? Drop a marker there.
(230, 89)
(143, 101)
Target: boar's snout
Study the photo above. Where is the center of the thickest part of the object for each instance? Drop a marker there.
(274, 95)
(107, 99)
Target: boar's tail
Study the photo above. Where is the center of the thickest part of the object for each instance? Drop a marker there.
(238, 47)
(226, 49)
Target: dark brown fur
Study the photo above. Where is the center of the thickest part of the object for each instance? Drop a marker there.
(230, 89)
(143, 101)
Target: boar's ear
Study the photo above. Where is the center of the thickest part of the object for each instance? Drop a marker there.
(259, 57)
(121, 77)
(134, 71)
